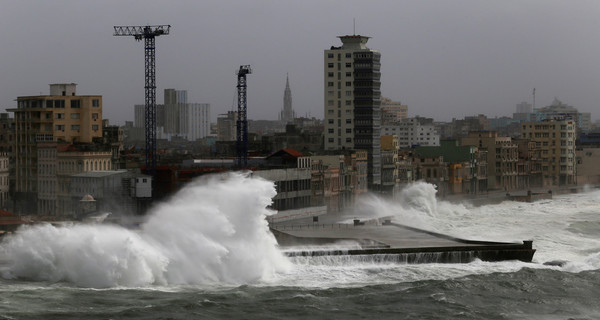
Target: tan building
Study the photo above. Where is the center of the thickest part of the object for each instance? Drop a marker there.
(57, 162)
(588, 170)
(61, 116)
(502, 158)
(555, 140)
(392, 111)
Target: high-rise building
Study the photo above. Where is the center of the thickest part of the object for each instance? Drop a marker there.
(287, 115)
(177, 117)
(352, 100)
(61, 116)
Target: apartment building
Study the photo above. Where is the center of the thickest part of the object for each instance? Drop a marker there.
(61, 116)
(352, 101)
(555, 140)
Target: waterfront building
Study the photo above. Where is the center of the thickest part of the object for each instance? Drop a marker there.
(226, 126)
(556, 141)
(352, 101)
(502, 158)
(61, 116)
(389, 163)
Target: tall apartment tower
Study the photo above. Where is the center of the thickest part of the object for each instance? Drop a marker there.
(352, 101)
(287, 114)
(61, 116)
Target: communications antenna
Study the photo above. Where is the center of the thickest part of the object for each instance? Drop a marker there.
(242, 121)
(148, 34)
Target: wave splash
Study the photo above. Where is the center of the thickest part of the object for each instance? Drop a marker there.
(213, 231)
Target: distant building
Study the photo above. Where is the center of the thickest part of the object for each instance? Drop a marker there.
(226, 126)
(352, 101)
(559, 110)
(287, 115)
(412, 132)
(177, 118)
(392, 111)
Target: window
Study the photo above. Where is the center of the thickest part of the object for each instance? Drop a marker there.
(75, 127)
(348, 130)
(330, 93)
(330, 65)
(330, 140)
(348, 102)
(59, 115)
(330, 111)
(59, 104)
(348, 139)
(348, 74)
(348, 93)
(348, 120)
(74, 115)
(330, 103)
(348, 65)
(95, 103)
(330, 84)
(329, 130)
(330, 121)
(60, 127)
(348, 84)
(330, 74)
(94, 116)
(330, 55)
(95, 127)
(75, 104)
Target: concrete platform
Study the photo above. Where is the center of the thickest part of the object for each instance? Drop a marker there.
(393, 239)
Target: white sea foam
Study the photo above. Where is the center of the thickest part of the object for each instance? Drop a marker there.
(214, 230)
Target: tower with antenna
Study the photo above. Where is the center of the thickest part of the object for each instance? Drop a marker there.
(287, 114)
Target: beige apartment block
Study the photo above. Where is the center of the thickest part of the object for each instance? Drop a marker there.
(502, 158)
(555, 140)
(62, 116)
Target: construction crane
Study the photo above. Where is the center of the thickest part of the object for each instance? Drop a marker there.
(242, 120)
(149, 34)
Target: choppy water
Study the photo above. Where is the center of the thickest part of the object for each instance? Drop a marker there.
(208, 254)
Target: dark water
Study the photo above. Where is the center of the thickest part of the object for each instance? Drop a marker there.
(525, 294)
(181, 267)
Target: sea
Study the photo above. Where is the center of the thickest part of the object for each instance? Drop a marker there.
(207, 253)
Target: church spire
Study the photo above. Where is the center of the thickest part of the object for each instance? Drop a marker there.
(287, 114)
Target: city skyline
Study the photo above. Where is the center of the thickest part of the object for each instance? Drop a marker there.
(443, 60)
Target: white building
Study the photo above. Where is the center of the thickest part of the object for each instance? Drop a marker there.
(411, 132)
(352, 100)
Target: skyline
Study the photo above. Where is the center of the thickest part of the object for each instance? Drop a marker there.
(443, 60)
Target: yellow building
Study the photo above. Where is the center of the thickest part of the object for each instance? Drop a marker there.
(555, 140)
(61, 116)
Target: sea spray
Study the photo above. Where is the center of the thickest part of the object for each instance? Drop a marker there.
(415, 205)
(213, 230)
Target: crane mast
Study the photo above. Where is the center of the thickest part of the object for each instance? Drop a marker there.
(242, 120)
(148, 34)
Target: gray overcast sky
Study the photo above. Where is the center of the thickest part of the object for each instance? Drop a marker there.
(443, 58)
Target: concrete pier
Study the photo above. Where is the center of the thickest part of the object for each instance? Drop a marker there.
(407, 244)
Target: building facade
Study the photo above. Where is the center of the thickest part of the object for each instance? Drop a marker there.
(555, 140)
(61, 116)
(352, 101)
